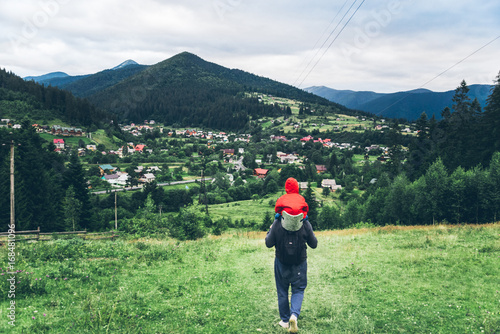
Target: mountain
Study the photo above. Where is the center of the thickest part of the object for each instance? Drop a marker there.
(85, 85)
(47, 77)
(90, 84)
(21, 99)
(408, 105)
(348, 98)
(125, 64)
(189, 91)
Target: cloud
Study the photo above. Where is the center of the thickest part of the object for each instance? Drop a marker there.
(387, 46)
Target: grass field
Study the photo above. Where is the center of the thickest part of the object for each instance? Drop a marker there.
(100, 137)
(437, 279)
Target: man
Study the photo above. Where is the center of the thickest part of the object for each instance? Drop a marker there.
(289, 234)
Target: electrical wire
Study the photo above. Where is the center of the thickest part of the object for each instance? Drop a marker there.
(338, 34)
(440, 74)
(324, 42)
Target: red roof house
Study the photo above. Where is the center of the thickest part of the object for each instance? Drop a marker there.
(139, 148)
(260, 172)
(59, 143)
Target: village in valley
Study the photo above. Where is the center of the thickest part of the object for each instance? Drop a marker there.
(153, 152)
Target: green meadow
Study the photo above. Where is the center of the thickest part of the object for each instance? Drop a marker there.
(435, 279)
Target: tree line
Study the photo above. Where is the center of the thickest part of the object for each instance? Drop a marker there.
(20, 98)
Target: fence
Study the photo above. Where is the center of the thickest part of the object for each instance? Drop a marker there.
(44, 236)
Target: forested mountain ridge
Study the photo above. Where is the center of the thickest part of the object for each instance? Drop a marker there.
(189, 91)
(184, 90)
(20, 98)
(408, 105)
(94, 83)
(88, 84)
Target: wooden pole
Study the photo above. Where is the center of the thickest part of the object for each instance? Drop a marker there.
(12, 202)
(116, 213)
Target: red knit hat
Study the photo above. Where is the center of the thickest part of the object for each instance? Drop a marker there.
(292, 202)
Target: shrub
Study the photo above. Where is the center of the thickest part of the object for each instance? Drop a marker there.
(189, 224)
(221, 225)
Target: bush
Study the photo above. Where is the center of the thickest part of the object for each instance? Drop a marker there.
(189, 224)
(221, 225)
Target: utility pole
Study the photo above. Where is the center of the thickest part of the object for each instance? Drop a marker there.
(12, 211)
(203, 186)
(116, 212)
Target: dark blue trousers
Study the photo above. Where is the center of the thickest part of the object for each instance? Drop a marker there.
(286, 276)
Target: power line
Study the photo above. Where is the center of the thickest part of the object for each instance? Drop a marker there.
(324, 42)
(440, 74)
(338, 34)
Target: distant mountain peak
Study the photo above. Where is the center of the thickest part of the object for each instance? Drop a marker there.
(47, 76)
(125, 64)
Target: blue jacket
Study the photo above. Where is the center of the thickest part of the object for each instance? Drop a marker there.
(277, 231)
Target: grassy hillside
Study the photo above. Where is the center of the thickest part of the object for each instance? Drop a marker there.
(100, 137)
(439, 279)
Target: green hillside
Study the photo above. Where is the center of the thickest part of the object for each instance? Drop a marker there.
(189, 91)
(45, 105)
(437, 279)
(94, 83)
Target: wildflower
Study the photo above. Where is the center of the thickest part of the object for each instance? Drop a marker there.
(44, 315)
(33, 318)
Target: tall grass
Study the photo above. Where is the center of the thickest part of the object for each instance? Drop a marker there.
(441, 279)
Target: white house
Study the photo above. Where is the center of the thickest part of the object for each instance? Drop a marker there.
(330, 183)
(148, 177)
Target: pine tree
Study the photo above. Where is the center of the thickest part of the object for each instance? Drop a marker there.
(74, 176)
(313, 206)
(72, 207)
(490, 123)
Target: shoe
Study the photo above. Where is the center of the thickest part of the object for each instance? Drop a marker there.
(293, 324)
(283, 324)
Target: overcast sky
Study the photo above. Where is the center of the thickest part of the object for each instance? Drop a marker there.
(384, 46)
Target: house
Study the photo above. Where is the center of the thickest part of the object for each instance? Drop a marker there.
(38, 128)
(59, 130)
(104, 168)
(308, 138)
(91, 147)
(153, 169)
(320, 168)
(59, 143)
(110, 178)
(139, 148)
(119, 179)
(148, 177)
(288, 158)
(228, 151)
(260, 172)
(303, 185)
(278, 138)
(330, 183)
